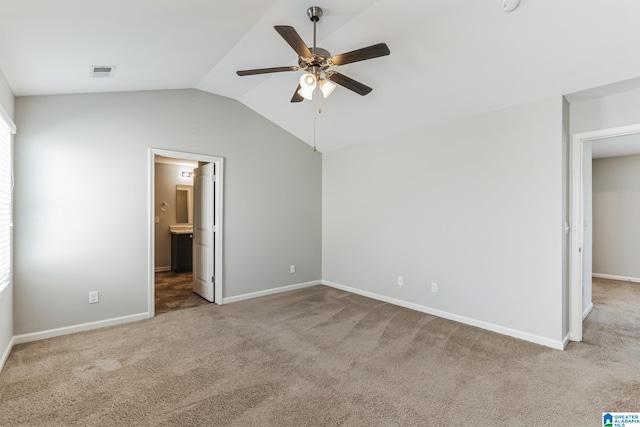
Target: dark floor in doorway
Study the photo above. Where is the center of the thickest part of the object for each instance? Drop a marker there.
(174, 291)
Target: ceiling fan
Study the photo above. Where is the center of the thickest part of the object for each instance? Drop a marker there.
(317, 63)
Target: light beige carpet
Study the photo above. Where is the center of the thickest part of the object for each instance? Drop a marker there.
(323, 357)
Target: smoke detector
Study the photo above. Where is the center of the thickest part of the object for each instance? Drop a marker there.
(102, 71)
(510, 5)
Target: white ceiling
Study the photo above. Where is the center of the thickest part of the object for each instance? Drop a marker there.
(448, 59)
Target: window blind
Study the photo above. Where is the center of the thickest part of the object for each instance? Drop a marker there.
(6, 184)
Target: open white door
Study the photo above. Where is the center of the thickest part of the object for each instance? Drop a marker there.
(204, 231)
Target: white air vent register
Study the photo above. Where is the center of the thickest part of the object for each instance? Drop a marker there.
(102, 71)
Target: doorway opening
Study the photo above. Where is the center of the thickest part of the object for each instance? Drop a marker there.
(577, 183)
(201, 217)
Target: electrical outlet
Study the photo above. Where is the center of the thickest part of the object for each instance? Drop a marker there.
(400, 281)
(434, 287)
(292, 269)
(94, 297)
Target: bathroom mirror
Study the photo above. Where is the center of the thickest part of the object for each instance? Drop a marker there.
(184, 204)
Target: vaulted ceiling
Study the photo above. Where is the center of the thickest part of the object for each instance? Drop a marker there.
(448, 59)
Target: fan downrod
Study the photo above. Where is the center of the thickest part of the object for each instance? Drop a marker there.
(314, 13)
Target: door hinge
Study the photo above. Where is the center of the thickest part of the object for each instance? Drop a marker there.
(214, 228)
(213, 279)
(213, 178)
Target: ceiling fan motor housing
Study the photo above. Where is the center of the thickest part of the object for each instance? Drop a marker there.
(318, 60)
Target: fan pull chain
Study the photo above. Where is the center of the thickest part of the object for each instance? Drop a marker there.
(315, 116)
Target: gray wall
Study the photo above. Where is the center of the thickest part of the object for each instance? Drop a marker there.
(616, 216)
(6, 296)
(475, 205)
(166, 177)
(6, 97)
(82, 196)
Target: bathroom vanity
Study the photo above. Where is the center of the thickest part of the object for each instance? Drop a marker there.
(181, 248)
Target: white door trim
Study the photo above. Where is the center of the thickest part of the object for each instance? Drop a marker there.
(219, 162)
(577, 220)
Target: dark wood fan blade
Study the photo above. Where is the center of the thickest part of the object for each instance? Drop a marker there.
(374, 51)
(296, 96)
(266, 70)
(292, 37)
(349, 83)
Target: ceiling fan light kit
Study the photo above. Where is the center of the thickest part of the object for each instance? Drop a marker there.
(316, 62)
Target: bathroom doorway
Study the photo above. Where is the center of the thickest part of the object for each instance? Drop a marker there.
(171, 232)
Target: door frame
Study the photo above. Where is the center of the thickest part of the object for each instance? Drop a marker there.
(218, 203)
(577, 220)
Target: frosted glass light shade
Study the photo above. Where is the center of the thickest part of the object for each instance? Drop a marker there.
(306, 93)
(326, 87)
(308, 81)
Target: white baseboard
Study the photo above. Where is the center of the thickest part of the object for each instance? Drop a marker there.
(271, 291)
(614, 277)
(558, 345)
(6, 353)
(587, 311)
(160, 269)
(36, 336)
(565, 341)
